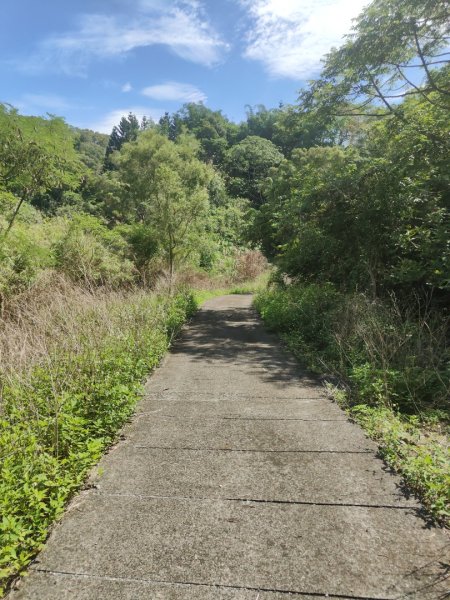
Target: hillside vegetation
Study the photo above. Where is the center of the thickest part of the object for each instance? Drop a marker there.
(346, 193)
(359, 232)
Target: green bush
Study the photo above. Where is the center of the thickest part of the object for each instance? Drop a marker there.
(23, 252)
(60, 414)
(89, 253)
(387, 356)
(394, 365)
(423, 461)
(305, 316)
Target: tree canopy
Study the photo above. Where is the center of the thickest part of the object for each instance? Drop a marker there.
(165, 186)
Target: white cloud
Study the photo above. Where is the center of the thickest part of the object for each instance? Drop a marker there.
(180, 26)
(127, 87)
(106, 123)
(290, 37)
(175, 91)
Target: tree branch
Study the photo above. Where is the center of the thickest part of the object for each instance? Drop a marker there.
(380, 95)
(418, 89)
(431, 81)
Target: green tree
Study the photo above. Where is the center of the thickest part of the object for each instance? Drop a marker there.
(91, 146)
(211, 128)
(396, 50)
(373, 219)
(260, 121)
(166, 188)
(126, 131)
(36, 155)
(247, 165)
(167, 126)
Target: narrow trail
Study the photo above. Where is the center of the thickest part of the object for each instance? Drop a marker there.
(239, 480)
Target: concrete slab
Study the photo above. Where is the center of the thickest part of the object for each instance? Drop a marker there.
(284, 477)
(226, 434)
(221, 380)
(53, 586)
(203, 405)
(227, 348)
(304, 549)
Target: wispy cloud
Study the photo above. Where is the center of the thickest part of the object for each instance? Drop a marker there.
(175, 91)
(290, 37)
(127, 87)
(107, 122)
(180, 26)
(43, 102)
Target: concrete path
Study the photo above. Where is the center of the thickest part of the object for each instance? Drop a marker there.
(239, 480)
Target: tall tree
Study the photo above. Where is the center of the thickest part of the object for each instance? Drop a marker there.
(91, 146)
(211, 128)
(167, 126)
(397, 49)
(247, 165)
(260, 121)
(126, 131)
(37, 155)
(166, 188)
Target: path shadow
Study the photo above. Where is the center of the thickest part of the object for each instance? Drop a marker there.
(234, 337)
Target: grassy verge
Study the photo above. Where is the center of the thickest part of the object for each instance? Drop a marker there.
(72, 372)
(392, 368)
(416, 447)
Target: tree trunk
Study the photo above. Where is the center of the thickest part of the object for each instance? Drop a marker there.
(13, 218)
(171, 268)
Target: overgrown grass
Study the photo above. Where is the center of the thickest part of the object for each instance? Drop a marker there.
(393, 366)
(72, 370)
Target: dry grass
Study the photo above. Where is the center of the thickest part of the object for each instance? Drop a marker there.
(56, 317)
(250, 265)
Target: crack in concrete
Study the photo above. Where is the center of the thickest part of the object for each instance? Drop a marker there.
(219, 418)
(99, 492)
(232, 395)
(206, 585)
(145, 447)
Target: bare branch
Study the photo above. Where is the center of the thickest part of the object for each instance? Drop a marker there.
(363, 114)
(408, 66)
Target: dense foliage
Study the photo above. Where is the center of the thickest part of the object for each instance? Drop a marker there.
(359, 233)
(113, 211)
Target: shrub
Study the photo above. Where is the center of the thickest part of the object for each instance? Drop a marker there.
(394, 364)
(423, 461)
(89, 253)
(387, 355)
(305, 315)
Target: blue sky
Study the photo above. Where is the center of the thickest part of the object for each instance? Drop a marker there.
(92, 61)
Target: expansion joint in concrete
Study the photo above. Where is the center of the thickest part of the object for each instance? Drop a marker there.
(184, 418)
(207, 585)
(145, 447)
(256, 501)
